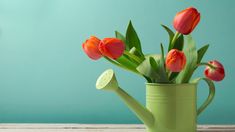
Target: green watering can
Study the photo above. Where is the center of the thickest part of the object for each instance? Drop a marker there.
(169, 107)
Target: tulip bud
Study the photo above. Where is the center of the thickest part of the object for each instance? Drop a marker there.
(186, 20)
(217, 73)
(175, 60)
(90, 47)
(112, 47)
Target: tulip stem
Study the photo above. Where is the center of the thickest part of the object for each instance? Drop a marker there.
(206, 64)
(174, 39)
(134, 57)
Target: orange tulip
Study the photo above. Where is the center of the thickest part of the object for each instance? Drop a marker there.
(175, 60)
(186, 20)
(90, 47)
(216, 74)
(112, 47)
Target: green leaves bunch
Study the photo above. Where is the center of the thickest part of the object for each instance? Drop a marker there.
(152, 66)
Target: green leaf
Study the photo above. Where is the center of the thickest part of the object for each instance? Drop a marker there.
(132, 38)
(146, 69)
(162, 61)
(153, 63)
(169, 31)
(118, 64)
(162, 70)
(157, 75)
(122, 66)
(148, 79)
(172, 43)
(191, 61)
(162, 52)
(179, 43)
(127, 63)
(201, 52)
(133, 57)
(136, 52)
(122, 37)
(173, 75)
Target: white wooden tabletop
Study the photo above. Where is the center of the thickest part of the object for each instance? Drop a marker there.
(98, 128)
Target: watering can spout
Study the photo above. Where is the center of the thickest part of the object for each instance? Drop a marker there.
(107, 81)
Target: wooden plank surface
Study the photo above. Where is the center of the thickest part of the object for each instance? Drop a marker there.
(98, 128)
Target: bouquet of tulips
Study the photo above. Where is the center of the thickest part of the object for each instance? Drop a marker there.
(179, 64)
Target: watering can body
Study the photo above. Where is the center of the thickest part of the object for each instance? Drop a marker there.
(169, 107)
(173, 107)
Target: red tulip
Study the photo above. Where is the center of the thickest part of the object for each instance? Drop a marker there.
(217, 73)
(186, 20)
(175, 60)
(90, 47)
(111, 47)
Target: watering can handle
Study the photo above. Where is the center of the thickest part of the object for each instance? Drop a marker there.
(210, 96)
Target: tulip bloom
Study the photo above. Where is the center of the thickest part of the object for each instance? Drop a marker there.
(175, 60)
(216, 74)
(90, 47)
(186, 20)
(112, 47)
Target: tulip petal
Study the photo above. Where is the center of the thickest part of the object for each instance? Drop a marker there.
(217, 74)
(186, 20)
(175, 60)
(90, 47)
(196, 21)
(112, 47)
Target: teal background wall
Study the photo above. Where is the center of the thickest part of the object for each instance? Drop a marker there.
(46, 77)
